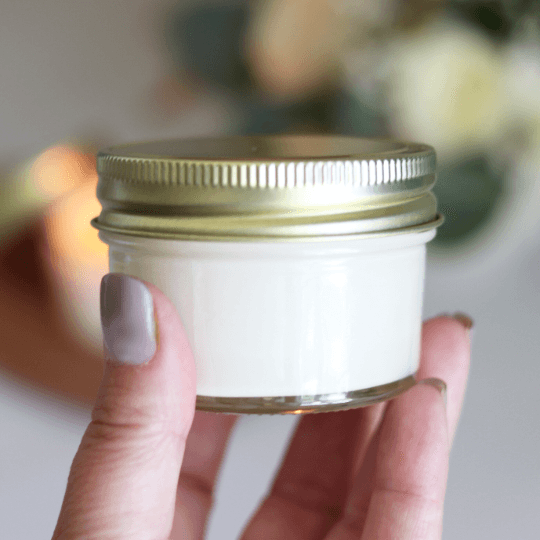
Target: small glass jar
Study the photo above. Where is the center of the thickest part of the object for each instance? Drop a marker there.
(296, 262)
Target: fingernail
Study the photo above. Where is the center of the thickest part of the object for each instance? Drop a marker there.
(438, 384)
(127, 320)
(464, 319)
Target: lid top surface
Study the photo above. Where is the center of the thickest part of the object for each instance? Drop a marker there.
(269, 148)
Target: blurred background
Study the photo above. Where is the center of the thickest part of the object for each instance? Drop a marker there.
(461, 75)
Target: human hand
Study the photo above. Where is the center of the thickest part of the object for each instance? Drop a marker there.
(377, 472)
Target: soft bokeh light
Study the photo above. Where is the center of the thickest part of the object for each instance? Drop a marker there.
(60, 169)
(77, 255)
(75, 245)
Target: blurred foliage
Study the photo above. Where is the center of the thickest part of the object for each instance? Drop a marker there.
(206, 40)
(207, 43)
(262, 116)
(491, 17)
(467, 193)
(498, 18)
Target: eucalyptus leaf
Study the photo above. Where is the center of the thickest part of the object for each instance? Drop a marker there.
(467, 193)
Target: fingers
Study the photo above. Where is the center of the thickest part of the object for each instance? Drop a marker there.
(399, 491)
(308, 485)
(204, 451)
(123, 481)
(411, 466)
(311, 486)
(446, 356)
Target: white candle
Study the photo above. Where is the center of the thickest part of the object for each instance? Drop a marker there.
(297, 323)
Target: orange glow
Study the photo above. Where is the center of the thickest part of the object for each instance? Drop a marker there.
(69, 175)
(60, 169)
(73, 241)
(78, 259)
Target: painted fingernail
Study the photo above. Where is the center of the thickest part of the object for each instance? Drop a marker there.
(438, 384)
(127, 320)
(465, 320)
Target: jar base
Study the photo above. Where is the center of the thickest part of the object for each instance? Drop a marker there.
(338, 401)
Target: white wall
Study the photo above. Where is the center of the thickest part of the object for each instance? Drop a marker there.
(73, 68)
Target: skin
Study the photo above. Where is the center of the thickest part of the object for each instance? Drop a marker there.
(147, 464)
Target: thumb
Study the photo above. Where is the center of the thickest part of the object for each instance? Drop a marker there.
(124, 477)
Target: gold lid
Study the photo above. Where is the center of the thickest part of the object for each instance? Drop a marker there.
(267, 187)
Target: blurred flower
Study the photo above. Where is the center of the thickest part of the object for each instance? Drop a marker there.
(292, 46)
(446, 87)
(295, 47)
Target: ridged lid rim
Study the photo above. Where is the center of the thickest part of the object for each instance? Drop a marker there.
(133, 163)
(266, 187)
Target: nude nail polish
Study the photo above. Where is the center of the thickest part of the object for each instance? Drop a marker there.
(127, 319)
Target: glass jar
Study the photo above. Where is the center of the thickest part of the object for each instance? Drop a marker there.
(296, 262)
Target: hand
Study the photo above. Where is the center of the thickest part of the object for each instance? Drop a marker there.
(377, 472)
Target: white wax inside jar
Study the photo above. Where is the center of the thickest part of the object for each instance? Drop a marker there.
(289, 318)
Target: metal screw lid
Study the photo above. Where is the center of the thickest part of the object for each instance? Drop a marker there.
(266, 188)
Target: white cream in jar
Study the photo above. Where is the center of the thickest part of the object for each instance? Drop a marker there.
(296, 263)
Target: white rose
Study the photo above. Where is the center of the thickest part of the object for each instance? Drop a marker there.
(446, 89)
